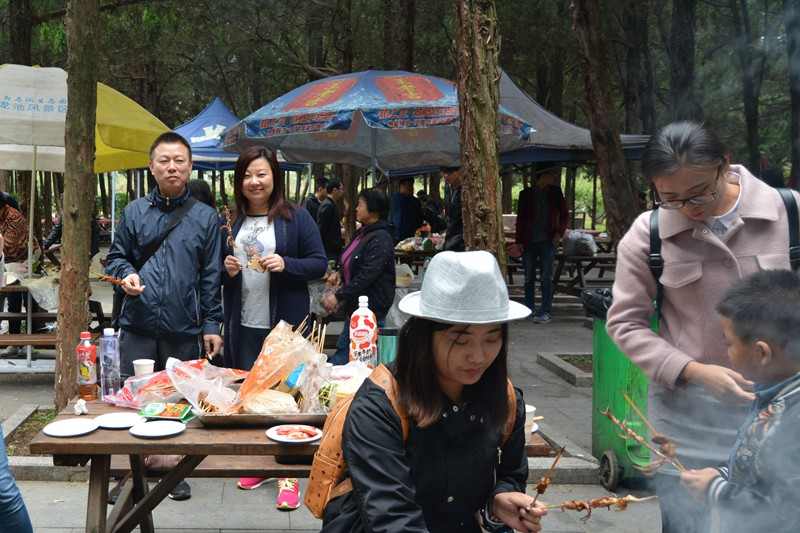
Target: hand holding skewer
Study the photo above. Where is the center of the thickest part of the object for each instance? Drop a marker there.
(541, 487)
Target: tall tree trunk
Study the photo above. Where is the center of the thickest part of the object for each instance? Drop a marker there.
(633, 63)
(82, 51)
(104, 199)
(478, 80)
(389, 41)
(647, 92)
(405, 47)
(618, 193)
(47, 202)
(681, 60)
(21, 21)
(751, 80)
(791, 19)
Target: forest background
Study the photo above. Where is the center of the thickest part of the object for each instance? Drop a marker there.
(723, 62)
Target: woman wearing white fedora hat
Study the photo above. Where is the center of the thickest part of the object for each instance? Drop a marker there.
(460, 458)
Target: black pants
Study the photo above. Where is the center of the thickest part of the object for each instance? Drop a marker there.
(15, 300)
(134, 346)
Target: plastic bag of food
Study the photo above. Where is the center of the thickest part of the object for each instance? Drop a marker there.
(138, 391)
(204, 385)
(283, 351)
(579, 243)
(316, 390)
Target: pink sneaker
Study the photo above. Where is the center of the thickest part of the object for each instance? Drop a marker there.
(250, 483)
(289, 495)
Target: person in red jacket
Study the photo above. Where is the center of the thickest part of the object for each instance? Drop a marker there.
(542, 217)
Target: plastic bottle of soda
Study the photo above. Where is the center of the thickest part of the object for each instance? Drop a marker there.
(364, 334)
(109, 363)
(87, 367)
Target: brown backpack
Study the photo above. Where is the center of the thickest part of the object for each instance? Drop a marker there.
(327, 470)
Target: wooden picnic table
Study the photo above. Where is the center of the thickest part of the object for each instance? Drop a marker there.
(207, 451)
(571, 275)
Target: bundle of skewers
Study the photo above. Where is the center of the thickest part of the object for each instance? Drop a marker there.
(227, 227)
(666, 448)
(608, 502)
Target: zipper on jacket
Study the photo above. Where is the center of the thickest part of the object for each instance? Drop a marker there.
(499, 454)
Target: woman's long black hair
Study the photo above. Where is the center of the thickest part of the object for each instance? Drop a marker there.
(415, 372)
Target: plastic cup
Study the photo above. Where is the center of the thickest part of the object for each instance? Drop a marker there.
(530, 413)
(144, 366)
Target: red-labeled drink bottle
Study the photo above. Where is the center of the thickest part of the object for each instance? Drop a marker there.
(87, 367)
(364, 334)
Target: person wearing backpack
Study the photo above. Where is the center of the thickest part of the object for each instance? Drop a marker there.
(444, 459)
(716, 223)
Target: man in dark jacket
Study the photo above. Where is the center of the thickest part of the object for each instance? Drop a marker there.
(315, 199)
(406, 210)
(542, 217)
(173, 303)
(173, 306)
(454, 240)
(328, 221)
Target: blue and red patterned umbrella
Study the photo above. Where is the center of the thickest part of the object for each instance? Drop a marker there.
(390, 119)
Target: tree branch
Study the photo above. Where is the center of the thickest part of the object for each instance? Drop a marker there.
(105, 7)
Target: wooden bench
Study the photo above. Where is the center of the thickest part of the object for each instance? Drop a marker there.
(23, 339)
(263, 466)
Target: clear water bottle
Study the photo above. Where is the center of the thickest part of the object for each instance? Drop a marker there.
(109, 363)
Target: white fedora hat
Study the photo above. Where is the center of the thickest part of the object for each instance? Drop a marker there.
(463, 288)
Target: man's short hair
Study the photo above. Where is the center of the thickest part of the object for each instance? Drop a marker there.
(321, 183)
(333, 184)
(405, 181)
(169, 137)
(765, 306)
(448, 169)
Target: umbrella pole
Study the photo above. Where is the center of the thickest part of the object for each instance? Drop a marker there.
(113, 202)
(31, 205)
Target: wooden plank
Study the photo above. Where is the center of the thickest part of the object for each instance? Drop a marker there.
(537, 446)
(228, 466)
(23, 339)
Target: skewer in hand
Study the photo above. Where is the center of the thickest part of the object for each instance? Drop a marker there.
(541, 487)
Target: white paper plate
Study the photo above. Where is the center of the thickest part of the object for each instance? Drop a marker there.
(157, 428)
(278, 433)
(535, 428)
(119, 420)
(71, 427)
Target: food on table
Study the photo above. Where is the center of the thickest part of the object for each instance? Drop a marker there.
(297, 432)
(270, 402)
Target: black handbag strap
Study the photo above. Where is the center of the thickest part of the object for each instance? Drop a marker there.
(794, 231)
(656, 262)
(174, 221)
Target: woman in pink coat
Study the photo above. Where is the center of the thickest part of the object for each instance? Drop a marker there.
(717, 223)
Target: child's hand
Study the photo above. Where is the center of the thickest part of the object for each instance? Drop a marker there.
(696, 481)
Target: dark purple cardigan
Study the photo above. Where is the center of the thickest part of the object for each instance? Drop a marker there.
(300, 245)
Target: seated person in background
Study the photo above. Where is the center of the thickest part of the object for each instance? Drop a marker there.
(756, 488)
(455, 471)
(54, 237)
(431, 213)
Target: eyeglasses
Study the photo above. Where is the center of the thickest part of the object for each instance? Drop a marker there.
(698, 199)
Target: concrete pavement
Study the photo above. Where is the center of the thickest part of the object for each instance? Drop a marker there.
(218, 506)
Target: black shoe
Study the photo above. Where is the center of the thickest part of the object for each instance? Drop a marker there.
(114, 493)
(182, 492)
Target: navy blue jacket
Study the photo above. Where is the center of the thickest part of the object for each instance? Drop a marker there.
(299, 243)
(181, 279)
(371, 271)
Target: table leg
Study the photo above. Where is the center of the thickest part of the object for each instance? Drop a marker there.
(141, 513)
(98, 493)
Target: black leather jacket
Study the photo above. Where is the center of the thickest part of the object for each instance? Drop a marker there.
(436, 481)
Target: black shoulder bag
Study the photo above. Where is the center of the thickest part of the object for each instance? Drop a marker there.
(119, 294)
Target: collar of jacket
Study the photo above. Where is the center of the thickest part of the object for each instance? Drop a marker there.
(167, 204)
(378, 224)
(757, 202)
